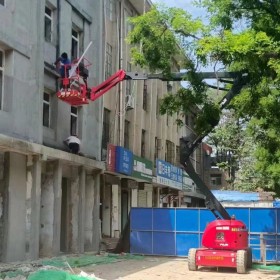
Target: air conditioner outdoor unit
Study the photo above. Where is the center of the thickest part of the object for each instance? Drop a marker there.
(130, 102)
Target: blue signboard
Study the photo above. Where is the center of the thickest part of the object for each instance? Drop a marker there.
(124, 160)
(169, 175)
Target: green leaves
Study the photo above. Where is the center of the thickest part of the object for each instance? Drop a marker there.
(243, 35)
(157, 42)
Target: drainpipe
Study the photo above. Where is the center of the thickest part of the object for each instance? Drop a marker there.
(120, 130)
(58, 3)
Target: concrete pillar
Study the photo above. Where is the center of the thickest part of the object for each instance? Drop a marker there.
(96, 236)
(89, 204)
(74, 217)
(50, 215)
(34, 169)
(149, 190)
(47, 213)
(115, 209)
(15, 208)
(57, 178)
(2, 199)
(134, 197)
(81, 216)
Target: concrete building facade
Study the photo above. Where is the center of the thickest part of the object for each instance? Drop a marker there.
(49, 198)
(52, 201)
(132, 121)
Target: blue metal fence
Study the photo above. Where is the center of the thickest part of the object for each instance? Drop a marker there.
(173, 231)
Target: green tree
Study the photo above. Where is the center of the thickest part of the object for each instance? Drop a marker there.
(242, 35)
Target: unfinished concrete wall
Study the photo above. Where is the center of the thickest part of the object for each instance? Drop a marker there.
(15, 208)
(33, 195)
(2, 195)
(88, 221)
(50, 215)
(107, 209)
(96, 236)
(74, 243)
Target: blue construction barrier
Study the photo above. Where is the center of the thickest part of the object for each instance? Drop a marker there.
(173, 231)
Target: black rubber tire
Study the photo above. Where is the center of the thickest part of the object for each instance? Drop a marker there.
(249, 258)
(192, 260)
(241, 261)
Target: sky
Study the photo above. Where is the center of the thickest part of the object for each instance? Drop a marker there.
(184, 4)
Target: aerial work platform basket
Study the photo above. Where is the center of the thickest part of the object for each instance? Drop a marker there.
(74, 88)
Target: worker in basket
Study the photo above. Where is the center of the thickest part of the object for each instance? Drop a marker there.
(63, 65)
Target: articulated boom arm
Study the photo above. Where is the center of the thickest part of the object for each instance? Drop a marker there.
(238, 80)
(112, 81)
(187, 148)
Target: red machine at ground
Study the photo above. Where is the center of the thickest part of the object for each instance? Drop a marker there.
(225, 240)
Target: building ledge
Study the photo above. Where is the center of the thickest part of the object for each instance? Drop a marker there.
(11, 144)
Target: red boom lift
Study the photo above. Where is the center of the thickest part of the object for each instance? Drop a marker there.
(225, 240)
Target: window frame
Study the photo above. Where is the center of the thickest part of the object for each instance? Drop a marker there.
(50, 18)
(48, 104)
(169, 151)
(74, 117)
(108, 61)
(105, 129)
(110, 9)
(216, 180)
(145, 96)
(126, 134)
(75, 40)
(2, 75)
(143, 136)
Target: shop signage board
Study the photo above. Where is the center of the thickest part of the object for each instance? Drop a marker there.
(124, 160)
(142, 169)
(169, 175)
(111, 158)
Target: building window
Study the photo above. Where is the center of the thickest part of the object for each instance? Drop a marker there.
(157, 149)
(216, 180)
(2, 2)
(126, 134)
(145, 95)
(157, 106)
(2, 57)
(74, 121)
(178, 155)
(48, 24)
(187, 119)
(128, 90)
(143, 143)
(108, 63)
(110, 9)
(75, 44)
(169, 87)
(128, 24)
(169, 151)
(47, 110)
(106, 129)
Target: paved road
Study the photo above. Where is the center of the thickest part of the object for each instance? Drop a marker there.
(162, 268)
